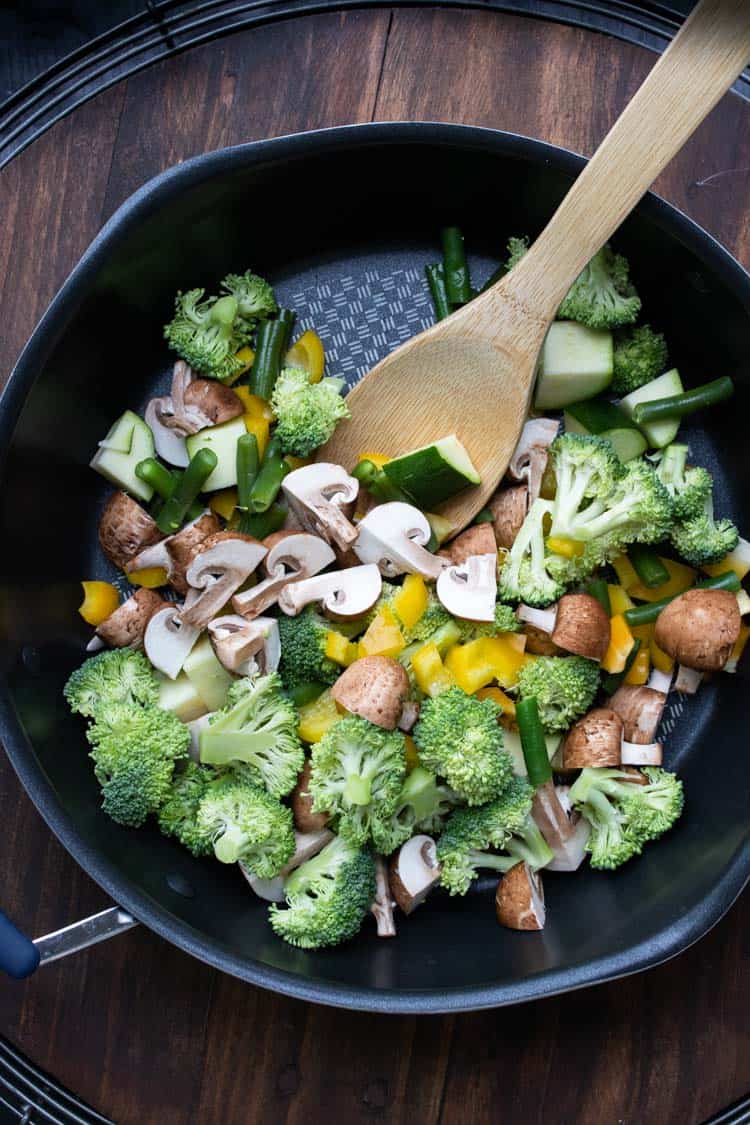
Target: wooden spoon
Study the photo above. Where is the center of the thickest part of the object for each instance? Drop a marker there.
(472, 374)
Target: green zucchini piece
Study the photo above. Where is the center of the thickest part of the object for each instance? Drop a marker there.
(658, 434)
(604, 419)
(128, 442)
(433, 473)
(575, 363)
(222, 440)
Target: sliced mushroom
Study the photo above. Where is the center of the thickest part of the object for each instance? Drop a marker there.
(593, 740)
(382, 905)
(571, 853)
(519, 899)
(208, 403)
(394, 536)
(306, 845)
(509, 507)
(125, 529)
(174, 553)
(195, 726)
(246, 647)
(319, 495)
(538, 641)
(192, 405)
(699, 628)
(126, 627)
(343, 593)
(469, 590)
(169, 640)
(375, 688)
(409, 715)
(641, 754)
(578, 623)
(551, 817)
(476, 540)
(302, 804)
(688, 680)
(530, 457)
(219, 566)
(291, 557)
(641, 709)
(414, 871)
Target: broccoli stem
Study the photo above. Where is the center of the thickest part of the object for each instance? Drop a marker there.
(598, 589)
(271, 343)
(672, 466)
(357, 791)
(173, 513)
(644, 614)
(230, 845)
(163, 482)
(648, 566)
(533, 742)
(455, 267)
(492, 862)
(377, 482)
(678, 406)
(436, 282)
(266, 485)
(263, 523)
(248, 463)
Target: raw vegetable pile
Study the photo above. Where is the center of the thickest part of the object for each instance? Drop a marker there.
(318, 680)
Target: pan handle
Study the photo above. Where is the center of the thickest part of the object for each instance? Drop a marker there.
(20, 956)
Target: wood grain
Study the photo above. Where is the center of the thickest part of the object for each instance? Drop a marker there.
(149, 1035)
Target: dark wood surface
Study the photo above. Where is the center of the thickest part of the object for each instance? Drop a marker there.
(139, 1029)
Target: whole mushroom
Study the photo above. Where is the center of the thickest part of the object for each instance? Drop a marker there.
(305, 819)
(125, 529)
(476, 540)
(593, 741)
(641, 709)
(373, 687)
(519, 899)
(509, 506)
(699, 628)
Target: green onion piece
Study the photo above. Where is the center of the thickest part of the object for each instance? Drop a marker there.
(436, 282)
(533, 741)
(455, 267)
(175, 509)
(598, 589)
(644, 614)
(678, 406)
(648, 566)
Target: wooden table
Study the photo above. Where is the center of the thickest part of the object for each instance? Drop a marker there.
(136, 1027)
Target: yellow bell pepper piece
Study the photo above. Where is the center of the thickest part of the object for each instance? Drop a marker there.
(640, 668)
(254, 405)
(479, 662)
(732, 561)
(568, 548)
(247, 355)
(224, 502)
(625, 571)
(151, 577)
(618, 599)
(412, 754)
(100, 599)
(383, 636)
(681, 578)
(317, 718)
(378, 459)
(411, 600)
(261, 428)
(620, 644)
(340, 649)
(308, 354)
(659, 658)
(431, 674)
(297, 462)
(739, 644)
(504, 702)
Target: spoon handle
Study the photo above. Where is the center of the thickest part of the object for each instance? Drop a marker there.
(688, 80)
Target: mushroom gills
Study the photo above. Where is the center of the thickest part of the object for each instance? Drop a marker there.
(470, 589)
(168, 641)
(291, 559)
(246, 647)
(343, 593)
(394, 537)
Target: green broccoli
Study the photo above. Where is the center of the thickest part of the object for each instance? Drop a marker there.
(459, 737)
(640, 355)
(563, 686)
(357, 770)
(134, 752)
(178, 815)
(517, 247)
(624, 815)
(702, 539)
(505, 622)
(121, 675)
(504, 825)
(258, 726)
(245, 823)
(307, 413)
(525, 576)
(327, 897)
(207, 334)
(422, 806)
(254, 297)
(303, 642)
(688, 485)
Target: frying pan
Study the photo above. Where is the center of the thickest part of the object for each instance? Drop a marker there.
(342, 222)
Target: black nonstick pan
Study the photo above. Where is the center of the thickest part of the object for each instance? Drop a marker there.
(342, 222)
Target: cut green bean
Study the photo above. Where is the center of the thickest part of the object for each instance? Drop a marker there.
(436, 283)
(263, 523)
(376, 482)
(266, 485)
(248, 463)
(163, 481)
(302, 694)
(611, 682)
(678, 406)
(598, 589)
(175, 509)
(533, 742)
(648, 566)
(271, 343)
(455, 267)
(644, 614)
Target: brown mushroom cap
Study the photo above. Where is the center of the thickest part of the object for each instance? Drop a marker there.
(181, 548)
(413, 872)
(214, 539)
(595, 740)
(538, 642)
(302, 804)
(582, 626)
(126, 627)
(640, 709)
(509, 506)
(476, 540)
(125, 529)
(375, 688)
(217, 402)
(519, 899)
(699, 628)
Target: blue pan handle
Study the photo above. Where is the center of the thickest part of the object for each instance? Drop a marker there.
(19, 957)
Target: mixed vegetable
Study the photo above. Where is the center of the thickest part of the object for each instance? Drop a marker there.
(318, 680)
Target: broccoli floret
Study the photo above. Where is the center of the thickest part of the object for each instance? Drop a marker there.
(640, 355)
(357, 770)
(505, 825)
(178, 815)
(459, 737)
(525, 576)
(702, 539)
(505, 622)
(245, 823)
(257, 726)
(688, 485)
(517, 247)
(134, 750)
(118, 676)
(207, 333)
(563, 686)
(303, 642)
(327, 897)
(422, 806)
(254, 297)
(307, 413)
(624, 816)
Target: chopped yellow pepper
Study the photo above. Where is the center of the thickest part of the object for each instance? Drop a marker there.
(618, 599)
(659, 658)
(568, 548)
(261, 428)
(620, 644)
(640, 668)
(412, 754)
(254, 405)
(340, 649)
(625, 571)
(307, 353)
(479, 662)
(297, 462)
(740, 566)
(317, 718)
(504, 702)
(224, 502)
(431, 674)
(100, 599)
(681, 578)
(247, 355)
(150, 576)
(378, 459)
(739, 644)
(411, 600)
(383, 636)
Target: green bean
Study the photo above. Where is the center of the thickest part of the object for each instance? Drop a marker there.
(248, 463)
(533, 741)
(190, 483)
(648, 566)
(271, 343)
(598, 589)
(611, 682)
(436, 282)
(644, 614)
(264, 523)
(377, 482)
(678, 406)
(163, 481)
(455, 267)
(266, 485)
(301, 694)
